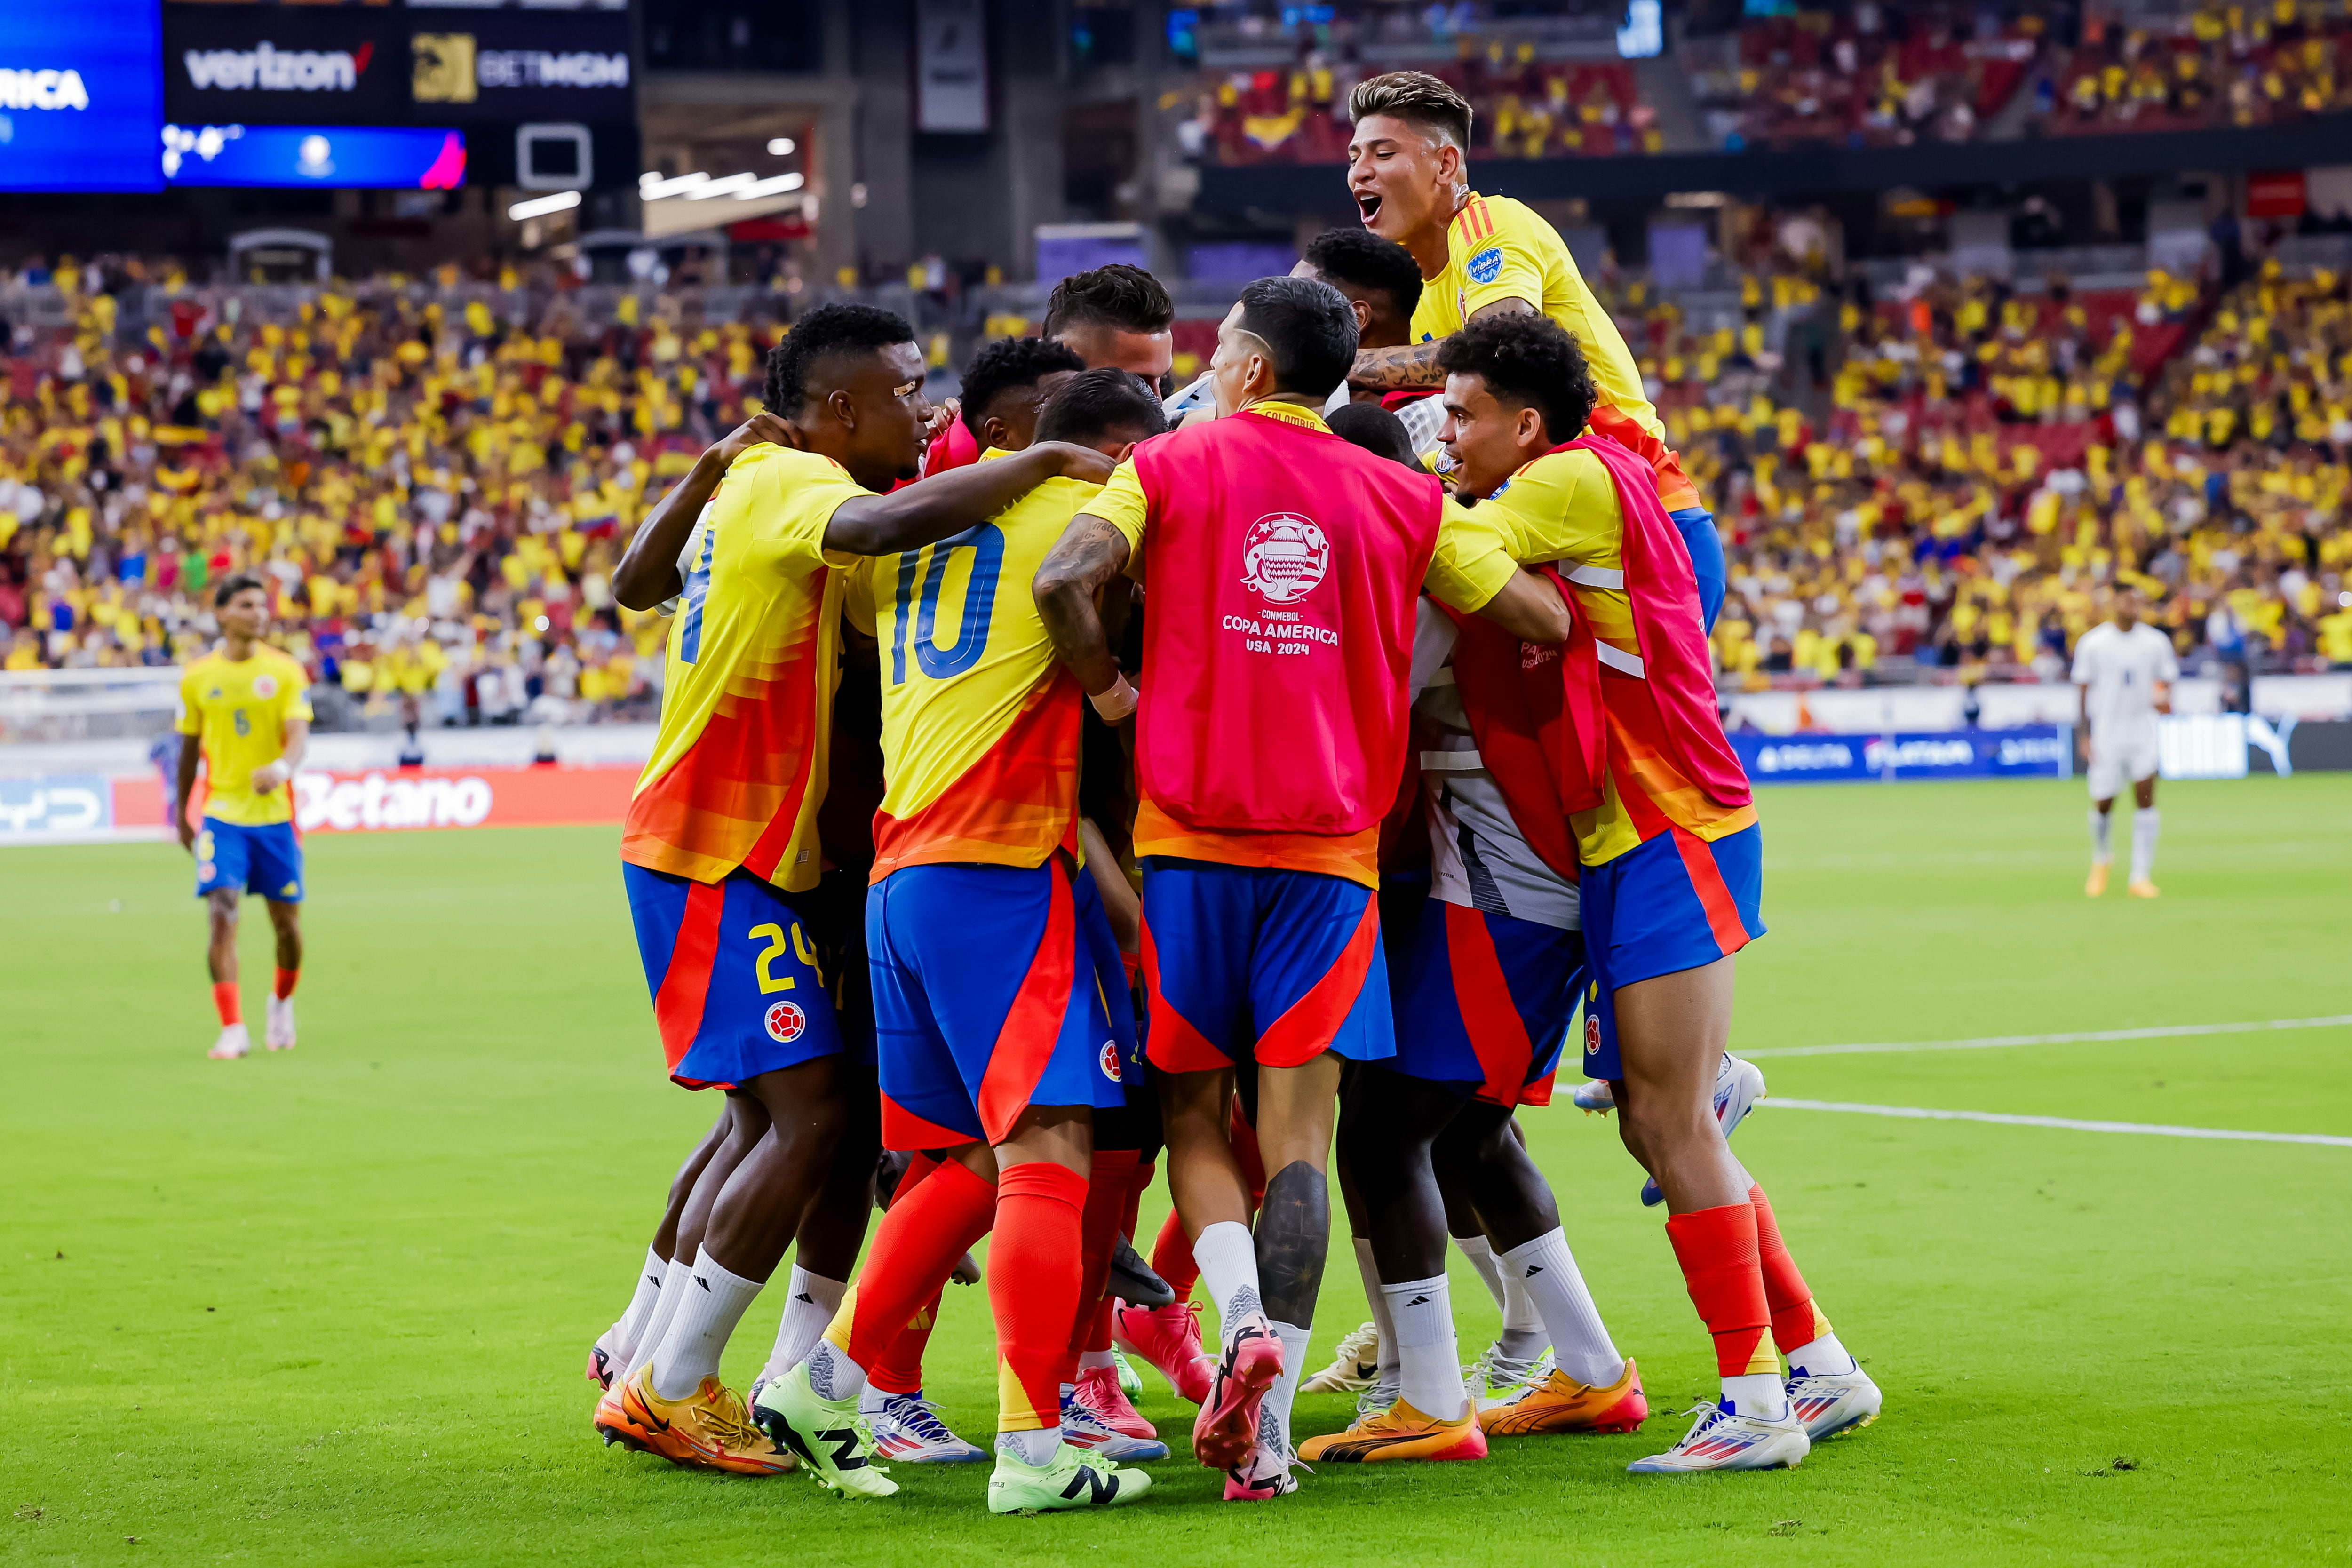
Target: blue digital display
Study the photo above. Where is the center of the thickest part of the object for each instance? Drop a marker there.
(336, 157)
(81, 95)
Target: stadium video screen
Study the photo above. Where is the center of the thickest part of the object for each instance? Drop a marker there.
(80, 96)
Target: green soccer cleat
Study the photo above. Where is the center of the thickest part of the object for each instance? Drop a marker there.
(835, 1443)
(1072, 1478)
(1131, 1381)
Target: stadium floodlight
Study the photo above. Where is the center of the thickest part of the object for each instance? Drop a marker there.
(782, 146)
(653, 187)
(772, 187)
(728, 186)
(540, 207)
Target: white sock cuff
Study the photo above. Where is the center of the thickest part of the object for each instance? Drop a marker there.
(820, 1290)
(1543, 1252)
(1474, 1247)
(1422, 1311)
(2150, 815)
(1227, 1254)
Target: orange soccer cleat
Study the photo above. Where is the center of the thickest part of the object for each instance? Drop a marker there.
(708, 1428)
(1561, 1404)
(1399, 1432)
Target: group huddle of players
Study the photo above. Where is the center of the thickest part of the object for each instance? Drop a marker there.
(1377, 660)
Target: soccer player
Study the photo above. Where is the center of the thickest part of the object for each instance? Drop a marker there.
(1283, 565)
(2125, 669)
(1008, 382)
(999, 997)
(1670, 876)
(1483, 1006)
(246, 706)
(719, 850)
(1482, 256)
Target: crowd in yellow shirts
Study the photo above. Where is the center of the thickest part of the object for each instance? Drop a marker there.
(2242, 63)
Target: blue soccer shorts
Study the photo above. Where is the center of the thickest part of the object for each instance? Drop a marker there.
(992, 993)
(1246, 963)
(265, 858)
(735, 976)
(1484, 1002)
(1672, 903)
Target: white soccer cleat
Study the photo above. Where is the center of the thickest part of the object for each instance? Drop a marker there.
(1739, 1085)
(1593, 1096)
(234, 1042)
(279, 1033)
(1084, 1428)
(1495, 1378)
(1355, 1366)
(1829, 1404)
(1721, 1439)
(908, 1429)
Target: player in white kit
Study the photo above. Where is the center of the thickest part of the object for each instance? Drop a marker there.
(2125, 669)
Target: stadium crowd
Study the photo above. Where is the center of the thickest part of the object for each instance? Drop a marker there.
(438, 493)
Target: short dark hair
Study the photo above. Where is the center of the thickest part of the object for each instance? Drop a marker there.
(1376, 430)
(1310, 327)
(1004, 363)
(1362, 259)
(236, 582)
(1417, 99)
(1125, 298)
(828, 329)
(1530, 360)
(1095, 403)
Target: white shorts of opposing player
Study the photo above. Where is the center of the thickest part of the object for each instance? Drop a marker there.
(2121, 760)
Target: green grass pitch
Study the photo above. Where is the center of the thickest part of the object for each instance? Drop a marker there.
(332, 1307)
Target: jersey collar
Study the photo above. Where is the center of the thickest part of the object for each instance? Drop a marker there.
(1289, 414)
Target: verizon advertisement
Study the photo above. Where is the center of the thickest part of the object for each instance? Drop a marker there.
(284, 65)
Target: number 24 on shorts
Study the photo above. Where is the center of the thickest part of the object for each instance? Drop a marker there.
(768, 980)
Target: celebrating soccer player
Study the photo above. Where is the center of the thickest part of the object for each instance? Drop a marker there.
(1283, 565)
(719, 850)
(245, 708)
(1671, 871)
(2125, 669)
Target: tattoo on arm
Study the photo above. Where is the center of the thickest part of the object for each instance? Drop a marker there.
(1087, 555)
(1387, 369)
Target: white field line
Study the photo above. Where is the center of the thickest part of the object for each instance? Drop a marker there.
(1988, 1042)
(2066, 1123)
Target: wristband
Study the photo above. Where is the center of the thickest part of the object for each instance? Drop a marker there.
(1117, 704)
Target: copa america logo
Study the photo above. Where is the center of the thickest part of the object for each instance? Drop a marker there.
(1284, 555)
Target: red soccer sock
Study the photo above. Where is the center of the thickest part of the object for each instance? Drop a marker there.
(1098, 1335)
(900, 1369)
(915, 1248)
(920, 1168)
(225, 1003)
(1033, 1280)
(1796, 1322)
(1171, 1258)
(1716, 1250)
(1106, 1191)
(282, 983)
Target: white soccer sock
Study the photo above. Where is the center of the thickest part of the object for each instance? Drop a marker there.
(1823, 1357)
(620, 1341)
(2145, 824)
(1278, 1398)
(870, 1400)
(1523, 1334)
(1481, 1254)
(1092, 1361)
(1430, 1366)
(1227, 1254)
(1032, 1447)
(810, 1302)
(2103, 845)
(1579, 1341)
(672, 1296)
(1378, 1305)
(1758, 1394)
(715, 1302)
(831, 1373)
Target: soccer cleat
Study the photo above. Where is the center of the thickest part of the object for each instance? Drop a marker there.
(1085, 1429)
(602, 1368)
(1266, 1474)
(234, 1042)
(1071, 1479)
(907, 1430)
(2142, 889)
(1169, 1339)
(1101, 1390)
(1593, 1096)
(1353, 1369)
(1399, 1432)
(834, 1443)
(1722, 1440)
(1227, 1425)
(1131, 1381)
(2097, 883)
(1561, 1404)
(1382, 1393)
(708, 1428)
(279, 1031)
(1495, 1379)
(1135, 1281)
(1827, 1405)
(1739, 1085)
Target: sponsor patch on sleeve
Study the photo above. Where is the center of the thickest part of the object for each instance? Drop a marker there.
(1486, 266)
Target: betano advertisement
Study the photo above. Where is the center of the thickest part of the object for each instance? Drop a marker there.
(75, 807)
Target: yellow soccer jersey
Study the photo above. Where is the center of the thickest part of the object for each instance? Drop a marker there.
(979, 724)
(238, 709)
(1497, 248)
(739, 764)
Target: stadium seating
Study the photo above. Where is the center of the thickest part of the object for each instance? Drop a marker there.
(2217, 65)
